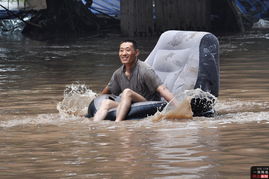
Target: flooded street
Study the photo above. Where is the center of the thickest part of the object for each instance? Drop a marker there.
(42, 82)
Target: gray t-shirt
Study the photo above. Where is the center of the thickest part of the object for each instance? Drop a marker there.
(143, 80)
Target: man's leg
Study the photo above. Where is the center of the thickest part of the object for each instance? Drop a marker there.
(105, 106)
(127, 97)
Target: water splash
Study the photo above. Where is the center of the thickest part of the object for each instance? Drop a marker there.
(181, 106)
(77, 98)
(181, 110)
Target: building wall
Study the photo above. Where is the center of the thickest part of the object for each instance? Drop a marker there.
(146, 18)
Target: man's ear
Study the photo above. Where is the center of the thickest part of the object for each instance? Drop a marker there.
(137, 52)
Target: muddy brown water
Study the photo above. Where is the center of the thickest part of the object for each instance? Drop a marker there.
(39, 140)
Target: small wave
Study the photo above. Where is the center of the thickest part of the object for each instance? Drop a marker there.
(236, 106)
(40, 120)
(242, 117)
(30, 120)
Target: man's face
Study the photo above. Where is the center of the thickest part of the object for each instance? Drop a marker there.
(127, 53)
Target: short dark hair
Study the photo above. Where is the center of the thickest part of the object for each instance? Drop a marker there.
(131, 41)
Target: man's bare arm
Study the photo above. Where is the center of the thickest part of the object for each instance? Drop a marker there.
(165, 93)
(106, 90)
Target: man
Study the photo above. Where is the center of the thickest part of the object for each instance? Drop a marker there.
(134, 81)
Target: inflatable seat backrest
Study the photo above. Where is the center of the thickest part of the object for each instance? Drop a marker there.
(187, 60)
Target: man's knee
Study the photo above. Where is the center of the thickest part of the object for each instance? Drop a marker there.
(127, 93)
(107, 104)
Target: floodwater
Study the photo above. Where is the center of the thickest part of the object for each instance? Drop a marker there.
(45, 86)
